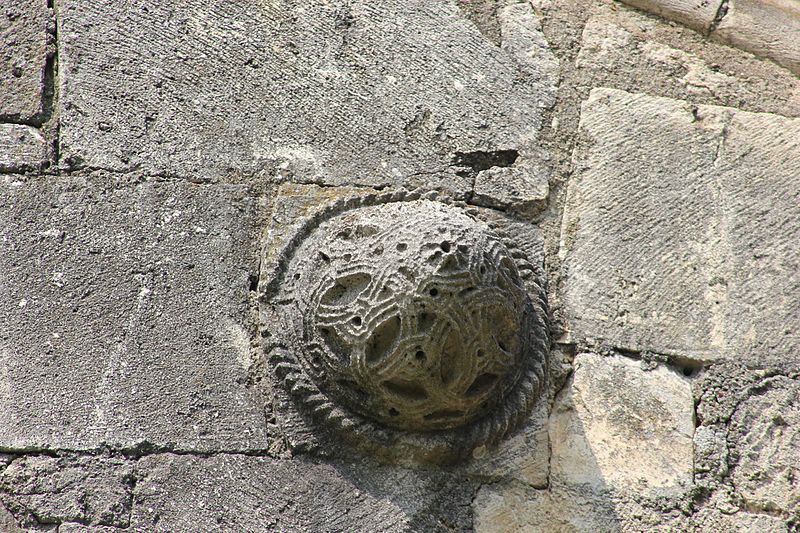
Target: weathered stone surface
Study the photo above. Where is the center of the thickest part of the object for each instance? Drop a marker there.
(626, 50)
(670, 235)
(340, 93)
(48, 490)
(515, 508)
(24, 46)
(767, 28)
(764, 436)
(711, 521)
(125, 318)
(697, 14)
(240, 493)
(523, 189)
(524, 456)
(617, 426)
(21, 148)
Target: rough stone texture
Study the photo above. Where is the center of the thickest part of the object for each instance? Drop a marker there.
(48, 490)
(478, 97)
(341, 93)
(624, 49)
(697, 14)
(619, 427)
(670, 235)
(125, 317)
(764, 437)
(21, 148)
(24, 47)
(239, 493)
(768, 28)
(516, 509)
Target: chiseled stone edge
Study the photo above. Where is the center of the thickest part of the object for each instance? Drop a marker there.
(446, 446)
(765, 28)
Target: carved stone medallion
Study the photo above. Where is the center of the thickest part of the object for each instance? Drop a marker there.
(410, 318)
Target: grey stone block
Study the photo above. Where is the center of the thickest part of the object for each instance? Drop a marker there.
(126, 316)
(361, 94)
(22, 148)
(680, 230)
(24, 47)
(240, 493)
(50, 490)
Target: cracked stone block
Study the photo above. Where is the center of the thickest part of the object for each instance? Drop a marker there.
(764, 439)
(241, 493)
(515, 508)
(680, 229)
(337, 93)
(21, 148)
(697, 14)
(767, 28)
(50, 490)
(24, 46)
(622, 48)
(618, 427)
(126, 318)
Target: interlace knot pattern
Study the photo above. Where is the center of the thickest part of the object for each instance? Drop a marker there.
(412, 316)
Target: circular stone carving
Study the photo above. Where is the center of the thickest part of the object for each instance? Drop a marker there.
(412, 316)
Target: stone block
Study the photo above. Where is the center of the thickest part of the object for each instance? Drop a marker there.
(241, 493)
(25, 42)
(627, 50)
(764, 439)
(619, 427)
(22, 148)
(697, 14)
(515, 508)
(767, 28)
(126, 317)
(680, 228)
(50, 490)
(371, 94)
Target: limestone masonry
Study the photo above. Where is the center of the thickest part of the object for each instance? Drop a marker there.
(402, 266)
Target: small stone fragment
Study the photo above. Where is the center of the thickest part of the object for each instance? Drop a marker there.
(22, 148)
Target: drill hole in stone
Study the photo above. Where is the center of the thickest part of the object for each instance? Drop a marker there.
(445, 246)
(405, 390)
(434, 292)
(420, 355)
(482, 384)
(356, 320)
(383, 340)
(402, 247)
(425, 321)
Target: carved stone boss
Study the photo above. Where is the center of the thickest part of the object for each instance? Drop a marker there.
(407, 323)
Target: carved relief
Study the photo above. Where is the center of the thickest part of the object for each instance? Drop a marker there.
(410, 318)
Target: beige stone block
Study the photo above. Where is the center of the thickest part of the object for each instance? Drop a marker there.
(767, 28)
(680, 229)
(697, 14)
(617, 426)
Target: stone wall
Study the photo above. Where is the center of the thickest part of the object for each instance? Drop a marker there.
(152, 154)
